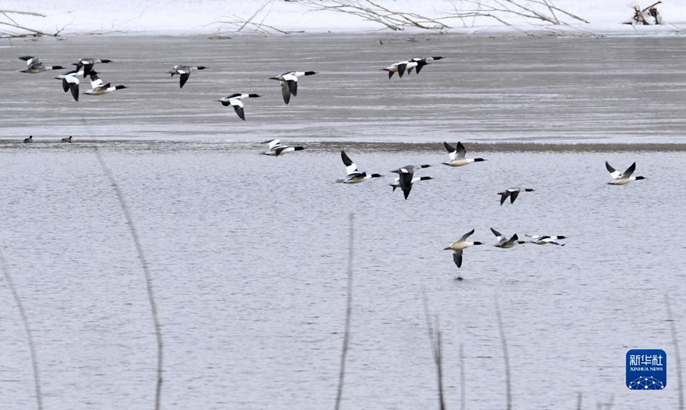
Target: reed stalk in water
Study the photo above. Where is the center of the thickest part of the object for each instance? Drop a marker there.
(677, 354)
(348, 311)
(436, 349)
(506, 356)
(27, 328)
(146, 271)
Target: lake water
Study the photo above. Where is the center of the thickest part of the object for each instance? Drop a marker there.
(249, 253)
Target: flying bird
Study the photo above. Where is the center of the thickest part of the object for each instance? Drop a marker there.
(98, 87)
(622, 178)
(235, 100)
(354, 176)
(457, 155)
(459, 245)
(34, 65)
(289, 83)
(276, 148)
(406, 178)
(422, 61)
(184, 71)
(407, 65)
(512, 193)
(505, 243)
(88, 63)
(544, 239)
(71, 83)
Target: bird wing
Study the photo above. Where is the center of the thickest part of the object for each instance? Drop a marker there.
(503, 197)
(406, 183)
(513, 196)
(628, 172)
(274, 143)
(451, 151)
(293, 86)
(461, 151)
(465, 236)
(457, 258)
(350, 167)
(285, 92)
(183, 79)
(613, 172)
(239, 111)
(96, 82)
(497, 234)
(401, 69)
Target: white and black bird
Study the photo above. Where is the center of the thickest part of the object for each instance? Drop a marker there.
(354, 176)
(98, 87)
(28, 140)
(459, 245)
(406, 178)
(184, 71)
(34, 65)
(512, 193)
(400, 68)
(422, 61)
(276, 148)
(235, 100)
(505, 243)
(545, 239)
(457, 155)
(67, 139)
(77, 72)
(289, 83)
(71, 83)
(88, 63)
(622, 178)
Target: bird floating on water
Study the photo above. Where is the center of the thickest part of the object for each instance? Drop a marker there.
(34, 65)
(235, 100)
(67, 139)
(289, 83)
(276, 148)
(28, 140)
(505, 243)
(512, 193)
(354, 176)
(185, 72)
(622, 178)
(459, 245)
(545, 239)
(457, 156)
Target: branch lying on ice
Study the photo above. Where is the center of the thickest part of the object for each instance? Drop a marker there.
(540, 10)
(370, 11)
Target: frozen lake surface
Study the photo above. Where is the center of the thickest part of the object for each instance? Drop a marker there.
(249, 259)
(486, 89)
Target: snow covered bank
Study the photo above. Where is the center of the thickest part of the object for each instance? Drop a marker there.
(188, 17)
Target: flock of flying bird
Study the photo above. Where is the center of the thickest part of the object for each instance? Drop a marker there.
(289, 87)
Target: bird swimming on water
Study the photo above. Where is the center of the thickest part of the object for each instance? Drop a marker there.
(235, 100)
(184, 71)
(622, 178)
(67, 139)
(289, 83)
(354, 176)
(28, 140)
(459, 245)
(457, 155)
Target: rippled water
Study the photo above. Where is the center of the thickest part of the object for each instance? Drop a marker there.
(249, 258)
(487, 89)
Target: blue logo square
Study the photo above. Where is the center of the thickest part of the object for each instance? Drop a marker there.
(646, 369)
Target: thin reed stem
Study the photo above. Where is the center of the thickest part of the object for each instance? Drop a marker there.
(677, 353)
(348, 311)
(146, 272)
(27, 329)
(506, 356)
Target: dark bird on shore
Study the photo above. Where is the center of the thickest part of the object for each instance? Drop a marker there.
(184, 71)
(289, 83)
(34, 65)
